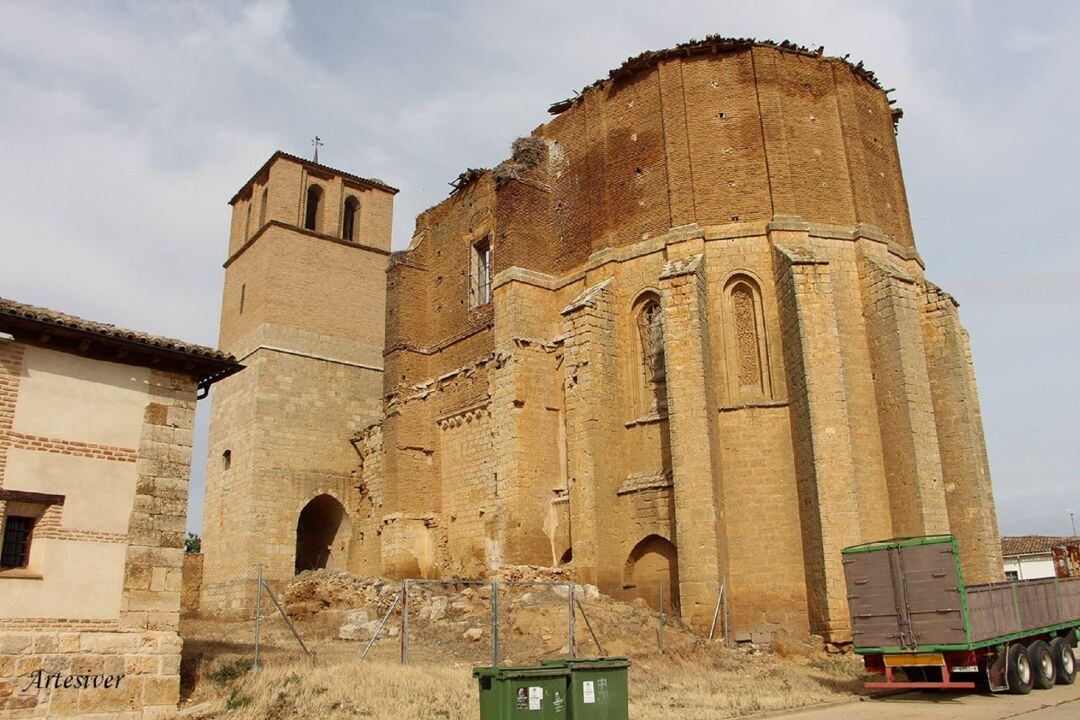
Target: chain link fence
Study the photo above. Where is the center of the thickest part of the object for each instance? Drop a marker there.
(335, 617)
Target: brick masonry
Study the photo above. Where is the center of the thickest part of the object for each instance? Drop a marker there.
(141, 641)
(712, 358)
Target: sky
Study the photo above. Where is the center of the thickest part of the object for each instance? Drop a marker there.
(126, 127)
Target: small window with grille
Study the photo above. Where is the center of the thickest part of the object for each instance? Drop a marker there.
(481, 272)
(17, 534)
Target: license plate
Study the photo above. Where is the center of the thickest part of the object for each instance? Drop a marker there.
(964, 668)
(915, 660)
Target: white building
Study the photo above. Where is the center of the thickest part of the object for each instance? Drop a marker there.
(1029, 557)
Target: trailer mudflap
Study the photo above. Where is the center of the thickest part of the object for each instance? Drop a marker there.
(996, 677)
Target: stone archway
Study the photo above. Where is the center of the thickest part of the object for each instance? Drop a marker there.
(653, 559)
(322, 535)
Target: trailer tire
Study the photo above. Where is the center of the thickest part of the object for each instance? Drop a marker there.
(1043, 667)
(1064, 660)
(1018, 670)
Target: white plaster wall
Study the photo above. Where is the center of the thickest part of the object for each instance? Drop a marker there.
(1031, 567)
(98, 494)
(82, 580)
(70, 397)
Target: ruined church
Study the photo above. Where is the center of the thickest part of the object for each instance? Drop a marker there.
(682, 334)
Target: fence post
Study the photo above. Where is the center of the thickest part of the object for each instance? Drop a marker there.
(258, 614)
(285, 617)
(716, 614)
(727, 616)
(588, 626)
(570, 639)
(660, 630)
(405, 621)
(397, 599)
(495, 624)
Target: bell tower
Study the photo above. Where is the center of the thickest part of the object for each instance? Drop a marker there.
(304, 307)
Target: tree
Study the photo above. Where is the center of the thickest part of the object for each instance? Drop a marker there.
(192, 543)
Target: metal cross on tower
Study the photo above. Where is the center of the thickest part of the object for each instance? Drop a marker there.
(316, 142)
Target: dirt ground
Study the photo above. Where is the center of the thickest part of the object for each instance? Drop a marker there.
(450, 632)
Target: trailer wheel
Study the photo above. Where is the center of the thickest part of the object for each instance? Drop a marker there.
(1043, 667)
(1018, 670)
(1064, 661)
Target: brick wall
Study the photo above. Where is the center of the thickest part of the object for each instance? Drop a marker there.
(470, 494)
(813, 379)
(139, 645)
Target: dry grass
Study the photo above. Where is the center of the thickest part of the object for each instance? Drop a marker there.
(347, 690)
(693, 684)
(692, 680)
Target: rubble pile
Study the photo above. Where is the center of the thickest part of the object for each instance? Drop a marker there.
(534, 616)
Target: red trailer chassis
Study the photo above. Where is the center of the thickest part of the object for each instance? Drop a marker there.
(948, 664)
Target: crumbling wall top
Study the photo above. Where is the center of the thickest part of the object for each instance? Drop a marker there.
(713, 44)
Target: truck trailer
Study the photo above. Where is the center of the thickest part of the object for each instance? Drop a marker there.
(911, 610)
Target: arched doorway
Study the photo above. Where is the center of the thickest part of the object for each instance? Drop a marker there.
(322, 535)
(652, 561)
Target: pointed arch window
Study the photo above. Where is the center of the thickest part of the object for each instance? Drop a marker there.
(748, 363)
(314, 199)
(649, 320)
(348, 221)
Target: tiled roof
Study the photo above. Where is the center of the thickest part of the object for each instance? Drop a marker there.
(1032, 544)
(208, 363)
(370, 182)
(52, 317)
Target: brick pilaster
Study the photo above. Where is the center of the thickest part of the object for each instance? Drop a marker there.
(699, 506)
(588, 393)
(969, 496)
(524, 390)
(821, 433)
(891, 301)
(155, 555)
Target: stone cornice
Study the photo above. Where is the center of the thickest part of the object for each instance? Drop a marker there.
(708, 233)
(300, 231)
(588, 298)
(890, 269)
(684, 266)
(655, 480)
(311, 356)
(800, 255)
(466, 414)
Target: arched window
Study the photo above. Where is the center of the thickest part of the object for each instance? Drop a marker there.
(348, 222)
(748, 363)
(262, 207)
(314, 197)
(650, 329)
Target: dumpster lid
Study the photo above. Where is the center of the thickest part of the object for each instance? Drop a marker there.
(603, 663)
(532, 671)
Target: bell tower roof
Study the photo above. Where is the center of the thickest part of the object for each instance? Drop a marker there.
(318, 168)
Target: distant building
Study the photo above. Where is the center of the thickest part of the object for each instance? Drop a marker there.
(1029, 557)
(95, 454)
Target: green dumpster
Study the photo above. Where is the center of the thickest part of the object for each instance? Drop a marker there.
(598, 688)
(525, 693)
